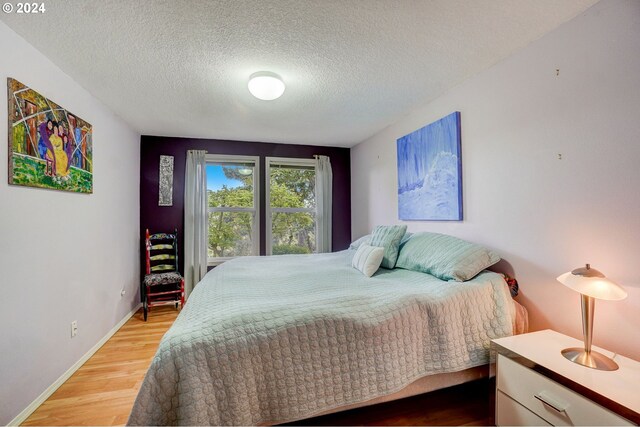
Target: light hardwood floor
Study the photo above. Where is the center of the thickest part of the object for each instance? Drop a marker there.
(463, 405)
(102, 391)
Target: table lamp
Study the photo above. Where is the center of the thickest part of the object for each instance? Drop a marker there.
(592, 285)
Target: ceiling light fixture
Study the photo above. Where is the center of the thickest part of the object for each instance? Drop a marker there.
(266, 85)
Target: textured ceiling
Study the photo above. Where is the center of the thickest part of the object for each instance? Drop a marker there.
(352, 67)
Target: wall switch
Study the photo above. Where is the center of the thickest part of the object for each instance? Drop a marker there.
(122, 292)
(74, 328)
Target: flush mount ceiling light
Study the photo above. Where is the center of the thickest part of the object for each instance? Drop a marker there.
(266, 85)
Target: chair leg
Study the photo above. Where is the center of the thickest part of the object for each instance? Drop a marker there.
(145, 302)
(182, 293)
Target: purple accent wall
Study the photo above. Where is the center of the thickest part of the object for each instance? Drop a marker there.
(166, 218)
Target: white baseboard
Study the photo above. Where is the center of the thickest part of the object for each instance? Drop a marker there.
(22, 416)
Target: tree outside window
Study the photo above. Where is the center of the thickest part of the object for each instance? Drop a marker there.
(232, 193)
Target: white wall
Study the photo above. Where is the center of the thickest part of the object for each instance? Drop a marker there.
(63, 256)
(545, 216)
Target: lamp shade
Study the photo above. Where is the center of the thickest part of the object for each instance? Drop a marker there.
(589, 281)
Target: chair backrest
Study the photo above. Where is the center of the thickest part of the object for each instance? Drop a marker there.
(162, 252)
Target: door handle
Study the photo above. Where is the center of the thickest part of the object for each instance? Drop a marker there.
(550, 401)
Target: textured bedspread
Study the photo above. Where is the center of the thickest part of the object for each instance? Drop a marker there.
(271, 339)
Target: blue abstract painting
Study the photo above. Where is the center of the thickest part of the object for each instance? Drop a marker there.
(430, 172)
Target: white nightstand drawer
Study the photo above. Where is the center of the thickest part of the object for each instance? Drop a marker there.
(511, 413)
(551, 401)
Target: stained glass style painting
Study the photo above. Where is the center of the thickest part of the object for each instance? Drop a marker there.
(49, 147)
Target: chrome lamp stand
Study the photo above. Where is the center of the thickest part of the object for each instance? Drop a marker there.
(585, 356)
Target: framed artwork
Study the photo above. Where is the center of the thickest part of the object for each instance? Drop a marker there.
(49, 147)
(430, 172)
(165, 191)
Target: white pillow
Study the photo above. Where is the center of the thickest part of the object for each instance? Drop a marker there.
(367, 259)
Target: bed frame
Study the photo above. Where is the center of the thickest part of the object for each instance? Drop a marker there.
(437, 381)
(420, 386)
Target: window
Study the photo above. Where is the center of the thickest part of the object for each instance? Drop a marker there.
(291, 206)
(233, 199)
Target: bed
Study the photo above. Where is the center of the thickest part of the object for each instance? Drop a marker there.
(266, 340)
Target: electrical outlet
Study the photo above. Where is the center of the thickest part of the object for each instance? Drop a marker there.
(74, 328)
(122, 292)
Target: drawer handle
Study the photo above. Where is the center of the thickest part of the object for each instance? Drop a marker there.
(550, 401)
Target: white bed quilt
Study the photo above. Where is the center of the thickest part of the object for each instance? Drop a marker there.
(272, 339)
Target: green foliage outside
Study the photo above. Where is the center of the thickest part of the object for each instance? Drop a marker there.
(289, 249)
(230, 232)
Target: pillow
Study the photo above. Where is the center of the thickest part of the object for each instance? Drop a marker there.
(367, 259)
(389, 237)
(356, 243)
(367, 239)
(406, 237)
(445, 257)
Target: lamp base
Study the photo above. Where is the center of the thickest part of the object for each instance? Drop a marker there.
(592, 359)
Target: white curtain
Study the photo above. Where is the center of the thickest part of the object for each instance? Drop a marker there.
(324, 196)
(195, 219)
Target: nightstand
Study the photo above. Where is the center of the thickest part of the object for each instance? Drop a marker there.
(536, 385)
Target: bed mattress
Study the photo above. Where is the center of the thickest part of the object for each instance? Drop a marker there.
(270, 339)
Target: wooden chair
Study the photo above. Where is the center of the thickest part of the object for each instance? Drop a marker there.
(162, 283)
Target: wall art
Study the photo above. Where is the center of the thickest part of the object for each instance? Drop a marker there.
(49, 147)
(430, 172)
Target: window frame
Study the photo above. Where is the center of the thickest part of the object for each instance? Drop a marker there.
(284, 161)
(255, 237)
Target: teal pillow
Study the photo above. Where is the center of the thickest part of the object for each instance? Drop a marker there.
(445, 257)
(358, 242)
(406, 237)
(366, 239)
(388, 237)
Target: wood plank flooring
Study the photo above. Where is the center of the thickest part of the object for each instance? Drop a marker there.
(103, 390)
(463, 405)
